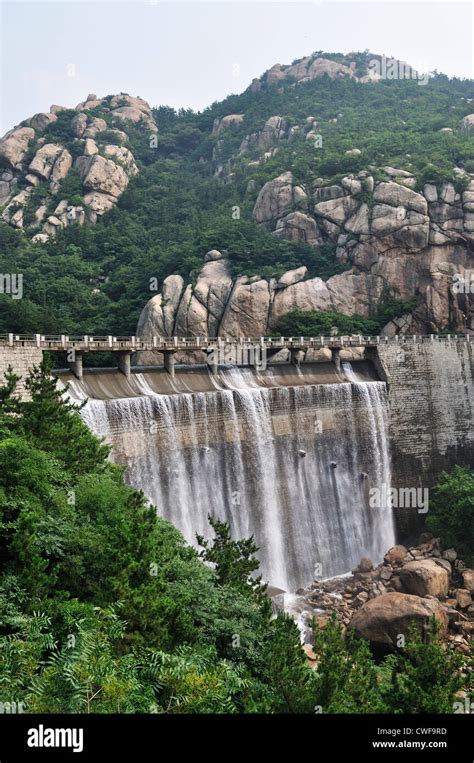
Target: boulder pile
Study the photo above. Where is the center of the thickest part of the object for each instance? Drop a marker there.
(382, 602)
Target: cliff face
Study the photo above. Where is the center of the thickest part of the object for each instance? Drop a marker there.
(392, 238)
(85, 145)
(393, 230)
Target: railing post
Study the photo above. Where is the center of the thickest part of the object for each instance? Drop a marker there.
(110, 341)
(38, 340)
(10, 340)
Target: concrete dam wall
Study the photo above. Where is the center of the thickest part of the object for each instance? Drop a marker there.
(285, 455)
(431, 412)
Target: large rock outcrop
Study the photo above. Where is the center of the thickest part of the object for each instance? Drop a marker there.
(278, 197)
(317, 66)
(105, 165)
(410, 244)
(14, 145)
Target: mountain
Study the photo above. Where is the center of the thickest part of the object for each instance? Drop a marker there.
(339, 183)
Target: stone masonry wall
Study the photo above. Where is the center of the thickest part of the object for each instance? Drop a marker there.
(22, 359)
(431, 394)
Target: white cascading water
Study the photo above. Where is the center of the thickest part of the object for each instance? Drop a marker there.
(292, 466)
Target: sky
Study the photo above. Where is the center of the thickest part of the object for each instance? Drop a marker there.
(190, 54)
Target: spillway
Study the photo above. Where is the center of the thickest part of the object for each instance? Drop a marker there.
(287, 455)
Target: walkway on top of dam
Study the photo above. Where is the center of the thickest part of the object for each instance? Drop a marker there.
(63, 343)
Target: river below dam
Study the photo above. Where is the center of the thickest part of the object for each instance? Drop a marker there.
(288, 456)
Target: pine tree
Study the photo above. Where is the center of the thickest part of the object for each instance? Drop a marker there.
(234, 560)
(51, 423)
(426, 675)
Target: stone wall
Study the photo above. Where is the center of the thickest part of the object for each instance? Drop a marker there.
(431, 394)
(22, 359)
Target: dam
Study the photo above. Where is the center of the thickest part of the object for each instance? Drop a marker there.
(290, 453)
(282, 458)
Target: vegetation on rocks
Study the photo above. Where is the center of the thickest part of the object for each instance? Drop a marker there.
(313, 323)
(451, 514)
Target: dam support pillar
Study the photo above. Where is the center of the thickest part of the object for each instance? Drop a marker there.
(124, 363)
(372, 354)
(76, 365)
(168, 361)
(336, 357)
(212, 361)
(295, 357)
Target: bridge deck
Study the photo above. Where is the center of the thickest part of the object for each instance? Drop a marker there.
(177, 344)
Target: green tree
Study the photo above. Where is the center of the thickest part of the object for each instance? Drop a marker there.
(234, 560)
(346, 676)
(286, 684)
(451, 511)
(51, 423)
(425, 675)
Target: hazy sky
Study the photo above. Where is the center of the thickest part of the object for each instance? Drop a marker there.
(194, 53)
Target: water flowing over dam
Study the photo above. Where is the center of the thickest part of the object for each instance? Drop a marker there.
(288, 455)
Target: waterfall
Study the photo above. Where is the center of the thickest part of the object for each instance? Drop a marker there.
(292, 465)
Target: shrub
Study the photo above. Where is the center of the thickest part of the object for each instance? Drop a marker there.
(451, 511)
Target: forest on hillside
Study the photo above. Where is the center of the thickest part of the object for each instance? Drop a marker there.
(95, 279)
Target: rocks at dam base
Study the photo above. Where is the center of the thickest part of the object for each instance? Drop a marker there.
(382, 620)
(382, 603)
(33, 158)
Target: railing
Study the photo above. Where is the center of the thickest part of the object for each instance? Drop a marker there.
(57, 343)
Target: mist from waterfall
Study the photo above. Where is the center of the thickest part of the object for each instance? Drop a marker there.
(292, 466)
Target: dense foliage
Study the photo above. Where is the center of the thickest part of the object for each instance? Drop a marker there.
(451, 511)
(104, 608)
(96, 279)
(310, 323)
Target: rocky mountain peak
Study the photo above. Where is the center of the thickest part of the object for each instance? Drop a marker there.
(361, 67)
(70, 165)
